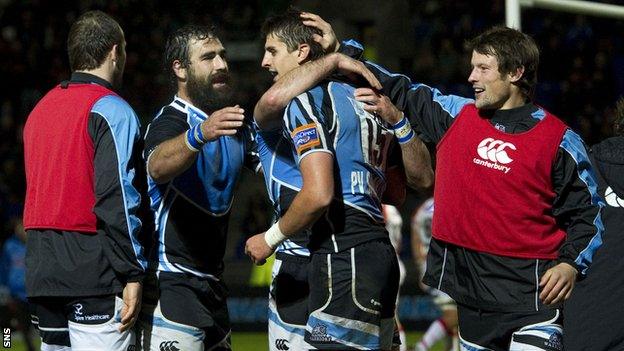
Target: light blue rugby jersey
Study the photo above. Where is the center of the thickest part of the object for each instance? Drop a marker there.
(328, 119)
(192, 210)
(283, 181)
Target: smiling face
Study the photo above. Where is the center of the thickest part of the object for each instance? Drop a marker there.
(493, 90)
(208, 63)
(208, 78)
(277, 59)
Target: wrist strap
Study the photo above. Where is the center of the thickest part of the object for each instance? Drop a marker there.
(274, 236)
(195, 138)
(403, 130)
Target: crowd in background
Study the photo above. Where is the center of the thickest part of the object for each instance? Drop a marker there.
(581, 72)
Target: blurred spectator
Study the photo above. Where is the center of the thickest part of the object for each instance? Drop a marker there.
(12, 270)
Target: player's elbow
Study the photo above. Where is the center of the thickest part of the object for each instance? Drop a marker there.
(268, 110)
(321, 199)
(423, 181)
(157, 171)
(158, 176)
(272, 102)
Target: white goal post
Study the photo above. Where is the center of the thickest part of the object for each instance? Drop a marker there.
(513, 9)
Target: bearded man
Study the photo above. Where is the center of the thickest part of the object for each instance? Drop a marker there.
(194, 149)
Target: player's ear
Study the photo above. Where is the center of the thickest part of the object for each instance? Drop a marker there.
(179, 69)
(114, 53)
(515, 75)
(303, 53)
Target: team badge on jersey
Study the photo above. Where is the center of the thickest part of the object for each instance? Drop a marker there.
(305, 137)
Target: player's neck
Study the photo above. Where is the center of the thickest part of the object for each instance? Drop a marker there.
(183, 94)
(100, 72)
(515, 100)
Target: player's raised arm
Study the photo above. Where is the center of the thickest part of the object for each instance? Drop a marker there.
(169, 158)
(416, 158)
(269, 108)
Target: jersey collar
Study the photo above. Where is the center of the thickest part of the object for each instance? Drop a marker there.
(190, 109)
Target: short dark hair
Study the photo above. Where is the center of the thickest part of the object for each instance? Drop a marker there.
(618, 123)
(177, 47)
(512, 49)
(91, 38)
(289, 28)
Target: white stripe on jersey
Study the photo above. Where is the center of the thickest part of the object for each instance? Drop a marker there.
(303, 98)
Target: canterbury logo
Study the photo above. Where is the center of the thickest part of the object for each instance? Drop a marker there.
(494, 154)
(282, 344)
(168, 346)
(494, 150)
(612, 199)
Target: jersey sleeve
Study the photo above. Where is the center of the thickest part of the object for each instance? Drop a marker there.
(577, 206)
(114, 128)
(164, 127)
(430, 112)
(306, 128)
(351, 48)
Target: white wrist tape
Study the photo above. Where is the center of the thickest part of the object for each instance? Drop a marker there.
(274, 236)
(403, 130)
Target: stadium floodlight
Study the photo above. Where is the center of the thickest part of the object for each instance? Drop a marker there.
(514, 7)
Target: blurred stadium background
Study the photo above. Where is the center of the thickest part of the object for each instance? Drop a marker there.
(581, 76)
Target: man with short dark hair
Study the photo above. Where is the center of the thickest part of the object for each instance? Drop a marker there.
(195, 148)
(511, 257)
(84, 264)
(517, 214)
(333, 139)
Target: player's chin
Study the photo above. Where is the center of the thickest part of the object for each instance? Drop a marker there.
(484, 104)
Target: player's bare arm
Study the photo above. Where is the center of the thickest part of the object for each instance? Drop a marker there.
(268, 110)
(416, 158)
(174, 156)
(310, 203)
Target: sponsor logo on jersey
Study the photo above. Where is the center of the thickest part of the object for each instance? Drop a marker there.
(494, 154)
(80, 316)
(77, 310)
(612, 199)
(319, 333)
(282, 344)
(305, 137)
(168, 346)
